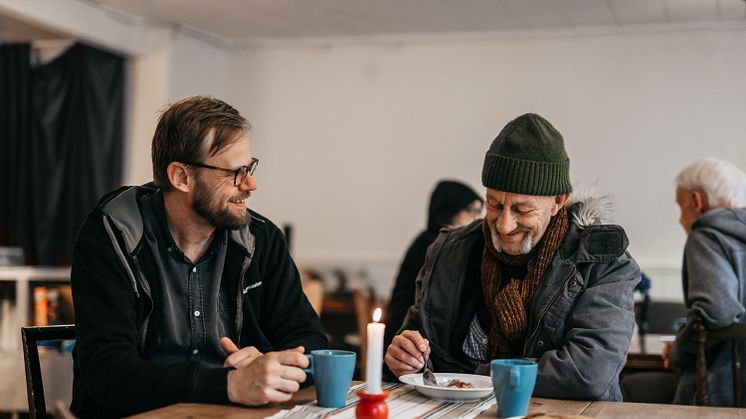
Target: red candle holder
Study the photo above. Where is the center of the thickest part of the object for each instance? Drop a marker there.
(372, 406)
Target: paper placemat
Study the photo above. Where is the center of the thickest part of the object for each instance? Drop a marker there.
(403, 401)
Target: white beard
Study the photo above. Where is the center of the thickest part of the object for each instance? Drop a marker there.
(526, 244)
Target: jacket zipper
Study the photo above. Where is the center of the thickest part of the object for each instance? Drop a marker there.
(146, 319)
(239, 300)
(541, 316)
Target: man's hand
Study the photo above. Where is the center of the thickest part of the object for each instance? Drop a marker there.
(238, 357)
(664, 354)
(269, 378)
(407, 353)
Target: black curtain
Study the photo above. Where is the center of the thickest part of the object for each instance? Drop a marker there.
(65, 137)
(15, 135)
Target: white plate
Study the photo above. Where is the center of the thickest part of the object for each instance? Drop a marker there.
(482, 386)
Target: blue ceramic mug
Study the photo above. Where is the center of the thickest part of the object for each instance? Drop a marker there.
(513, 381)
(332, 374)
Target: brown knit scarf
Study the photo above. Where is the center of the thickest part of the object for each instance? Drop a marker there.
(508, 307)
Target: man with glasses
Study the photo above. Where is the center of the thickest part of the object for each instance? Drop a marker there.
(183, 294)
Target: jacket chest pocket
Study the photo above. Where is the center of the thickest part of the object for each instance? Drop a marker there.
(252, 320)
(555, 318)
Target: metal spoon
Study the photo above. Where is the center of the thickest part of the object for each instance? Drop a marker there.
(428, 376)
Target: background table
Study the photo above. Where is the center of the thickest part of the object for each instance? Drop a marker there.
(645, 353)
(649, 410)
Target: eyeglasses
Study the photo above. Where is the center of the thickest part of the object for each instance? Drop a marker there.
(239, 175)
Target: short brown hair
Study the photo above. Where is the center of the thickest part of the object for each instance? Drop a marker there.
(183, 127)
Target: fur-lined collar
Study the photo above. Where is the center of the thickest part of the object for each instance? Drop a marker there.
(592, 209)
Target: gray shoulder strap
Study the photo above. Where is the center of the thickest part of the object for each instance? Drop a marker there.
(124, 214)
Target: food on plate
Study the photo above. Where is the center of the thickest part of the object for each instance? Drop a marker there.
(458, 383)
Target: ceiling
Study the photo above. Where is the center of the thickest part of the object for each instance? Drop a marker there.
(235, 20)
(231, 22)
(13, 30)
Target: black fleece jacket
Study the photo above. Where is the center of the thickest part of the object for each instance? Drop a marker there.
(112, 288)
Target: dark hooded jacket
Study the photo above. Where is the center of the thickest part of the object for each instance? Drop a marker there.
(114, 280)
(714, 278)
(447, 200)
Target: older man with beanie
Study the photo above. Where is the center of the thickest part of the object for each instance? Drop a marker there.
(537, 278)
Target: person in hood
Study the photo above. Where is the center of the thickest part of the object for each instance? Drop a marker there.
(711, 195)
(182, 293)
(537, 278)
(452, 204)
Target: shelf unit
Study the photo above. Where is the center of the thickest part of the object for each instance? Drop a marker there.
(56, 367)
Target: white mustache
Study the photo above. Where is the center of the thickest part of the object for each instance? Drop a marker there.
(526, 244)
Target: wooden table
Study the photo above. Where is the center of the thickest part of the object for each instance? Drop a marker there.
(537, 405)
(195, 410)
(645, 353)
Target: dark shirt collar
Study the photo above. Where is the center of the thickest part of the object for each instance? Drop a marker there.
(219, 238)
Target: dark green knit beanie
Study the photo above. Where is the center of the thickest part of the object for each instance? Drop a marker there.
(528, 157)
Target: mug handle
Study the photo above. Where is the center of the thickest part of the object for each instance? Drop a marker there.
(309, 370)
(515, 378)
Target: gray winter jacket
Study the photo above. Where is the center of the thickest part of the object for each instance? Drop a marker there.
(580, 321)
(714, 276)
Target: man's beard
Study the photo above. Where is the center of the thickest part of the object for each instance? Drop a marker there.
(220, 217)
(526, 244)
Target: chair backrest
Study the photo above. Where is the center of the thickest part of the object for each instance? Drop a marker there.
(735, 333)
(61, 411)
(642, 308)
(34, 387)
(313, 286)
(364, 302)
(665, 317)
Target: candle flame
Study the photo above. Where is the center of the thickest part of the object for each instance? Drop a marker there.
(377, 315)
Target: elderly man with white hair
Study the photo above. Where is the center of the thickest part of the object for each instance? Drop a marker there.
(711, 195)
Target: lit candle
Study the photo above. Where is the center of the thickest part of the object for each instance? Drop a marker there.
(374, 361)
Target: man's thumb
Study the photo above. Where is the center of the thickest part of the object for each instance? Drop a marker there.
(228, 345)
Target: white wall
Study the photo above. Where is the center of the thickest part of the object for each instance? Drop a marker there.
(197, 68)
(352, 137)
(148, 80)
(181, 66)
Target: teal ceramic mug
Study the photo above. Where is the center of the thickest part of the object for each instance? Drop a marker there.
(513, 381)
(332, 374)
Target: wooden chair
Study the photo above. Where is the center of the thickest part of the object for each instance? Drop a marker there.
(735, 333)
(642, 308)
(61, 411)
(314, 290)
(363, 302)
(37, 407)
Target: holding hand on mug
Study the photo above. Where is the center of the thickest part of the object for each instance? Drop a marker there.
(407, 353)
(263, 378)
